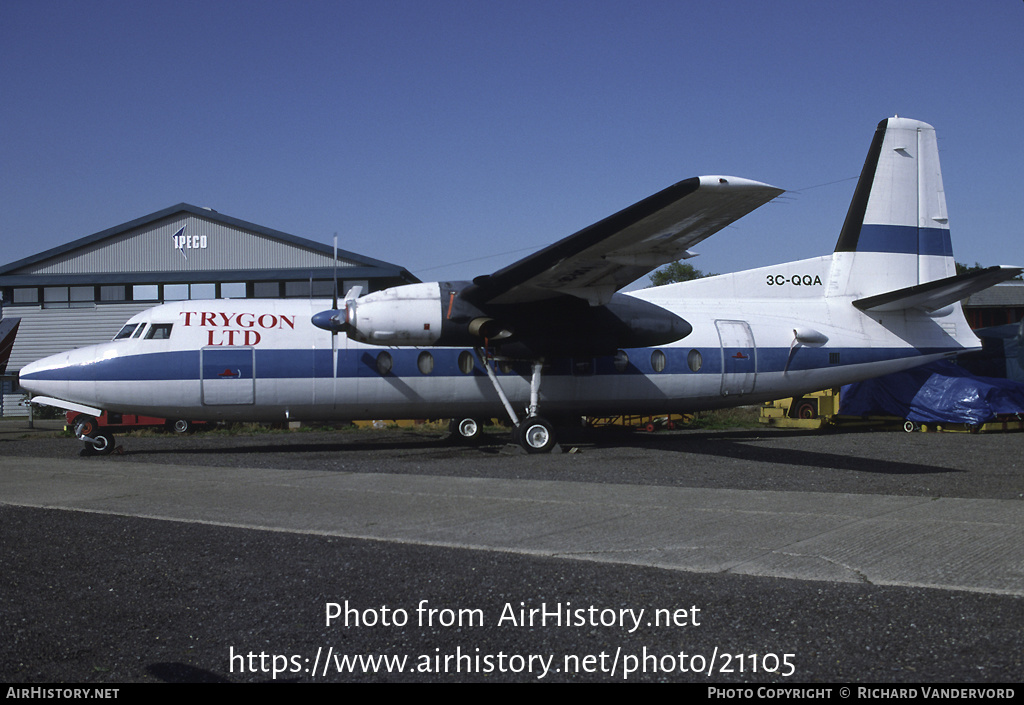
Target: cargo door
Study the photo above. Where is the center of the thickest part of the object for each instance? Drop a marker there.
(228, 375)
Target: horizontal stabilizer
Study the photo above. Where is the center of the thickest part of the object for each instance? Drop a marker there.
(939, 293)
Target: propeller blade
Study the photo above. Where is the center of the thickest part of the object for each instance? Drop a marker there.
(353, 294)
(334, 303)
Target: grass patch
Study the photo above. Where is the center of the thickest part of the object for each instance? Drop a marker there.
(737, 417)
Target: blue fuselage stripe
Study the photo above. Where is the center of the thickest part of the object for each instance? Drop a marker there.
(317, 364)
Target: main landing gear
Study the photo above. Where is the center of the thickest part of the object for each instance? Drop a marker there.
(466, 430)
(534, 434)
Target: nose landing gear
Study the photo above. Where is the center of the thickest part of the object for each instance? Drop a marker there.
(94, 442)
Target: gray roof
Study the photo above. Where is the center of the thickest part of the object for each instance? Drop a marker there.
(142, 249)
(1004, 295)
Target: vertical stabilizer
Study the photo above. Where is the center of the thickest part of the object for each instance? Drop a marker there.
(896, 233)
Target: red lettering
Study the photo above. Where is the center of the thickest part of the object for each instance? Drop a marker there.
(220, 319)
(210, 338)
(252, 337)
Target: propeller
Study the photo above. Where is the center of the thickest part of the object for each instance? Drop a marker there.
(337, 319)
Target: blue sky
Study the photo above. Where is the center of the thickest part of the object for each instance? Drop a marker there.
(453, 137)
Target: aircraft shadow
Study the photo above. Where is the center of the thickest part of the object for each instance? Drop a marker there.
(413, 442)
(736, 445)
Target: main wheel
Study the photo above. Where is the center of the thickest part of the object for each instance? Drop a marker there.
(465, 430)
(181, 426)
(536, 435)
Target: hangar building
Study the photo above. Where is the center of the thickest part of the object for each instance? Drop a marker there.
(82, 293)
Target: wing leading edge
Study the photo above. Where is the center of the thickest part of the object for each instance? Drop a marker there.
(597, 261)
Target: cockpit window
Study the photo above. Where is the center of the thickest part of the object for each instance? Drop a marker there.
(159, 331)
(142, 327)
(125, 332)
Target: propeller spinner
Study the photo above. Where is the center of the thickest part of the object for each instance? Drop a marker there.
(338, 320)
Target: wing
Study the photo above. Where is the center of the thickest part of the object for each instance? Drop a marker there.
(601, 259)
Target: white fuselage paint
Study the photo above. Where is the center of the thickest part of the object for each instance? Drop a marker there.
(759, 335)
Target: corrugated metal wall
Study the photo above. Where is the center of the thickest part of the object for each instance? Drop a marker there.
(50, 331)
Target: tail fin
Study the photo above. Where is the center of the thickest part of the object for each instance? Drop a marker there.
(896, 233)
(894, 251)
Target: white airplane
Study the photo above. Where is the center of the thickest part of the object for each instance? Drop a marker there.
(885, 300)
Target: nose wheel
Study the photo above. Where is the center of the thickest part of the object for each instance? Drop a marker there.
(94, 442)
(98, 444)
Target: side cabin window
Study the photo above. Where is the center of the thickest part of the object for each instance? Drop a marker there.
(159, 331)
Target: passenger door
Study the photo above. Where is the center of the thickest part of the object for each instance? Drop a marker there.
(739, 357)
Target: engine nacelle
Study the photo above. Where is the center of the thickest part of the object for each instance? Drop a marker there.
(434, 313)
(402, 315)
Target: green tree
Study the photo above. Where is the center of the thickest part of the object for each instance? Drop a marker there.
(677, 272)
(962, 268)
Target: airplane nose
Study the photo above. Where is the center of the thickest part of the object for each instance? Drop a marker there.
(46, 377)
(65, 376)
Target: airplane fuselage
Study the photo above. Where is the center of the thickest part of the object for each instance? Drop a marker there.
(550, 336)
(757, 335)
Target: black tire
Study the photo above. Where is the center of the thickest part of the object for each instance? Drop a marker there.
(807, 410)
(466, 430)
(181, 426)
(536, 435)
(104, 444)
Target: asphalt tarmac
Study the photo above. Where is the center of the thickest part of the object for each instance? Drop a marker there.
(741, 556)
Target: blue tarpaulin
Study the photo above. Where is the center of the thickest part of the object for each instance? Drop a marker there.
(940, 392)
(1002, 353)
